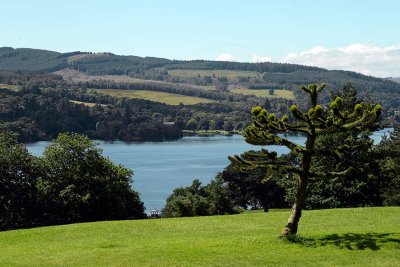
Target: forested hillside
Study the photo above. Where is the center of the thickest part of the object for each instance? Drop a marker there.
(39, 106)
(223, 76)
(108, 96)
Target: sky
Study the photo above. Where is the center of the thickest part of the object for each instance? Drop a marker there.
(357, 35)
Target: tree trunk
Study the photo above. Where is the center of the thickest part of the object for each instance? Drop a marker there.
(294, 218)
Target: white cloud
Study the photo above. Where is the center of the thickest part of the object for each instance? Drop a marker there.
(225, 57)
(366, 59)
(258, 59)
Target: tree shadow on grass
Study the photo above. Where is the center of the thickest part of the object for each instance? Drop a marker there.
(350, 241)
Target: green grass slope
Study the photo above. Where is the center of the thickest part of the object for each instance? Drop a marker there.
(338, 237)
(278, 93)
(161, 97)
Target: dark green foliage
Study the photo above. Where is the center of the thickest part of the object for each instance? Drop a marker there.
(187, 202)
(250, 190)
(362, 186)
(224, 65)
(197, 200)
(388, 155)
(81, 185)
(73, 182)
(18, 175)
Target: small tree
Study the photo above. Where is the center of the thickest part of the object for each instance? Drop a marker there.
(198, 200)
(313, 123)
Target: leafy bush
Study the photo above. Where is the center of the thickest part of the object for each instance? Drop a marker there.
(197, 200)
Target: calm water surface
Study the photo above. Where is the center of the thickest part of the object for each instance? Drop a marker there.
(161, 167)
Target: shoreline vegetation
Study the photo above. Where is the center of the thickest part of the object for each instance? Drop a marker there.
(192, 133)
(210, 133)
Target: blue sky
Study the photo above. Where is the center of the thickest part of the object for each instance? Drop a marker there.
(304, 32)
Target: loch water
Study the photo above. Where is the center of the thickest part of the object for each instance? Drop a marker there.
(160, 167)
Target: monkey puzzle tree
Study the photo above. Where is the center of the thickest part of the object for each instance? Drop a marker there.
(316, 121)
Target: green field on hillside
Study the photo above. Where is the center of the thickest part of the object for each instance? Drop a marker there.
(9, 86)
(217, 73)
(88, 104)
(76, 76)
(283, 93)
(337, 237)
(162, 97)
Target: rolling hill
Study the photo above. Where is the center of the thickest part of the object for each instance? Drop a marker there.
(328, 238)
(196, 72)
(189, 77)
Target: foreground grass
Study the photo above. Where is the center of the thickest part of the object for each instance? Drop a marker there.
(351, 237)
(162, 97)
(278, 93)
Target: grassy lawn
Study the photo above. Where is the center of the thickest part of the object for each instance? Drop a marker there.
(283, 93)
(167, 98)
(338, 237)
(218, 73)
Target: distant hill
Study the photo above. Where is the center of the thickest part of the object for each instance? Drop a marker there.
(108, 63)
(31, 59)
(395, 79)
(196, 74)
(195, 95)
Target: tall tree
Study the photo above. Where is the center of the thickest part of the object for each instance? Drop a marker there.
(82, 185)
(314, 122)
(389, 167)
(18, 175)
(358, 188)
